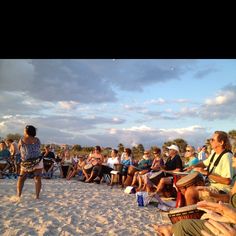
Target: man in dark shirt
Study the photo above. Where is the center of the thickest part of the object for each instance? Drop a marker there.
(173, 163)
(48, 161)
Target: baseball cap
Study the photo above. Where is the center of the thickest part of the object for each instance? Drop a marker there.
(174, 147)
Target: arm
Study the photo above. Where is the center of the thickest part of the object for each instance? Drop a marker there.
(200, 164)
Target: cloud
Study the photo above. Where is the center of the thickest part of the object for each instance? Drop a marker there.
(204, 72)
(221, 106)
(55, 80)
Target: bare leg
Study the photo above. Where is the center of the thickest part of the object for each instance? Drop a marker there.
(91, 177)
(162, 184)
(134, 179)
(37, 180)
(165, 229)
(139, 183)
(123, 180)
(20, 182)
(68, 171)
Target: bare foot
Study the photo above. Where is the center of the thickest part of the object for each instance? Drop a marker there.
(164, 229)
(14, 198)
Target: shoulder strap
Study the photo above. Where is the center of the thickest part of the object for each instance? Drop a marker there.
(216, 162)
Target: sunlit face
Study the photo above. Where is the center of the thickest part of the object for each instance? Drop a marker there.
(234, 160)
(214, 142)
(2, 146)
(189, 152)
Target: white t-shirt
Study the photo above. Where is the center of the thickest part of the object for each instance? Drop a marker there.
(111, 162)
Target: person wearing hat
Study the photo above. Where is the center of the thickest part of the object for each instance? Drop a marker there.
(173, 163)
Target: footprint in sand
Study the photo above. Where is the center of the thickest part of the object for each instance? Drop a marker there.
(101, 220)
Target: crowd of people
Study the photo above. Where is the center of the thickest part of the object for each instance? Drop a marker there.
(152, 174)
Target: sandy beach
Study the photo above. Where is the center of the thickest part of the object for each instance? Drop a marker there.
(73, 208)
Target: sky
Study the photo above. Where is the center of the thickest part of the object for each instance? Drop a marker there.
(110, 101)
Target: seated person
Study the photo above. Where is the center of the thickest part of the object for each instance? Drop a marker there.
(66, 164)
(143, 165)
(4, 158)
(111, 161)
(48, 161)
(77, 168)
(15, 154)
(144, 183)
(173, 163)
(126, 161)
(190, 157)
(96, 159)
(219, 169)
(195, 226)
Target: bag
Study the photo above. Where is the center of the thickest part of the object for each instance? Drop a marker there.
(31, 162)
(129, 190)
(142, 198)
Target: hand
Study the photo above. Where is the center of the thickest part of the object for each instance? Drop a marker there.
(218, 229)
(227, 213)
(201, 170)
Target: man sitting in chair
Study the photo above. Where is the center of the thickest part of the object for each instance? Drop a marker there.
(217, 168)
(173, 163)
(48, 161)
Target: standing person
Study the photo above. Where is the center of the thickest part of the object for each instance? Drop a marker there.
(202, 155)
(29, 146)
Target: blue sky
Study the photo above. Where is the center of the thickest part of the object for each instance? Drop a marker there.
(107, 102)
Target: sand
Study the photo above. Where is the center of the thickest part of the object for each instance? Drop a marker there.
(73, 208)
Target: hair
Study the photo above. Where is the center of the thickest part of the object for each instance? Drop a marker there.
(2, 141)
(157, 150)
(223, 136)
(128, 150)
(10, 140)
(115, 151)
(191, 147)
(97, 148)
(30, 130)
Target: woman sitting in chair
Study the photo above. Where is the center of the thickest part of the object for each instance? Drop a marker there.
(126, 162)
(77, 168)
(144, 166)
(96, 159)
(66, 164)
(144, 183)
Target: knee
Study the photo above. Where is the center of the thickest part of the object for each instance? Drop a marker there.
(190, 192)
